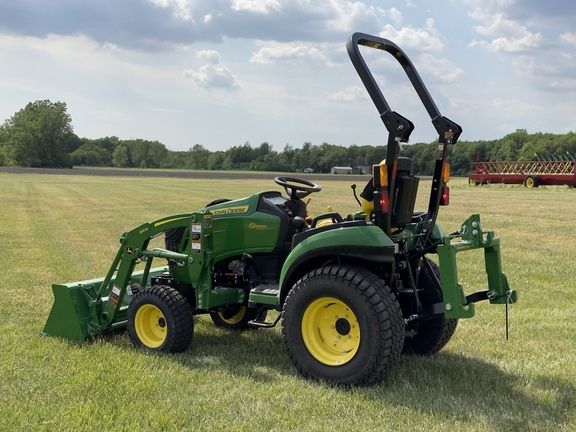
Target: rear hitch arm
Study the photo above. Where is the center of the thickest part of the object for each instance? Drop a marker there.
(456, 303)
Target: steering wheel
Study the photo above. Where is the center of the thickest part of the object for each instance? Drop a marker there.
(297, 188)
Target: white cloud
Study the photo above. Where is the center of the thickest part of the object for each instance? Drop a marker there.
(162, 25)
(511, 108)
(485, 9)
(552, 73)
(426, 39)
(528, 35)
(563, 84)
(258, 6)
(346, 16)
(395, 15)
(443, 70)
(181, 8)
(273, 52)
(569, 38)
(213, 74)
(507, 36)
(349, 94)
(210, 56)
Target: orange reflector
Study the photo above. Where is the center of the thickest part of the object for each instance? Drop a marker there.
(445, 200)
(380, 175)
(446, 172)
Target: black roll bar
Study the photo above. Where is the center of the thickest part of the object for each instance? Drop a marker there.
(399, 128)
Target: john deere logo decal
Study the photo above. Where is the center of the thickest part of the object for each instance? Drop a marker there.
(230, 211)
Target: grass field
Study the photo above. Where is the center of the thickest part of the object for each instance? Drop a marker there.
(57, 229)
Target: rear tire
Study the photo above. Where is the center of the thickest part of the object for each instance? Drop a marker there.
(236, 317)
(160, 319)
(434, 334)
(343, 325)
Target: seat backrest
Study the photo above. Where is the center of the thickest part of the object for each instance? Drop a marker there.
(297, 207)
(405, 192)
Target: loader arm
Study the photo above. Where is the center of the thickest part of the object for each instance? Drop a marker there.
(133, 249)
(87, 308)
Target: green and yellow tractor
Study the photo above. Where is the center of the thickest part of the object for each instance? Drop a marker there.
(352, 292)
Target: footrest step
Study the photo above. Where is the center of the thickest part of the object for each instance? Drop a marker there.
(265, 289)
(263, 324)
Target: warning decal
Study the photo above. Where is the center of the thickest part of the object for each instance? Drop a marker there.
(195, 237)
(113, 297)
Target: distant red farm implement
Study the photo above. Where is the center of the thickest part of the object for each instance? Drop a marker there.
(529, 173)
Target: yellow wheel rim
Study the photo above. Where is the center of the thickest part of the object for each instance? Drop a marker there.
(236, 318)
(330, 331)
(150, 326)
(529, 182)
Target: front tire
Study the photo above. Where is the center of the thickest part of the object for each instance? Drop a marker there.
(160, 319)
(343, 325)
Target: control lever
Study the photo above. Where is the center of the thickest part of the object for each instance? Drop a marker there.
(353, 186)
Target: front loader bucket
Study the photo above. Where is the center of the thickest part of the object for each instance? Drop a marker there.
(70, 316)
(78, 312)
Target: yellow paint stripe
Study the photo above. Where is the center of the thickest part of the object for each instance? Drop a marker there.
(169, 220)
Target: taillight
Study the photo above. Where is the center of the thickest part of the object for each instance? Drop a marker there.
(445, 200)
(384, 200)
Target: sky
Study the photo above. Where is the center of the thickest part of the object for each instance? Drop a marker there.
(221, 73)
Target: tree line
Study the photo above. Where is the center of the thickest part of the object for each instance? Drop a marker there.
(41, 135)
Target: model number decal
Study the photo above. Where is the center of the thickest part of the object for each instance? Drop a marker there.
(256, 226)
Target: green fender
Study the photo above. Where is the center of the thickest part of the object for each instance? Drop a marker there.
(365, 242)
